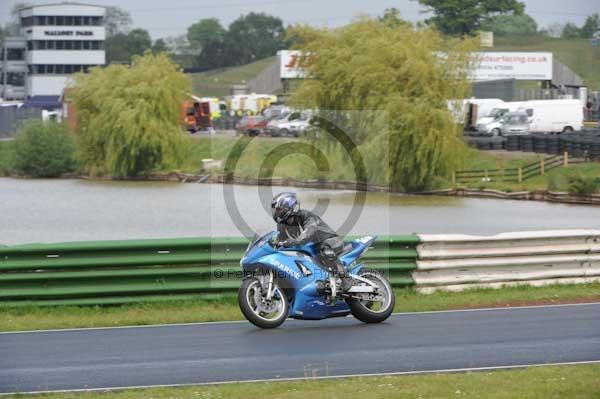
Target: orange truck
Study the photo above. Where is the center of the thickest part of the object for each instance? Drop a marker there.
(195, 114)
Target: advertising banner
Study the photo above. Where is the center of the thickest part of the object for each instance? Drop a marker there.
(294, 63)
(511, 65)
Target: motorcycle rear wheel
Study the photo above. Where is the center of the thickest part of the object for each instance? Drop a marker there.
(366, 309)
(257, 309)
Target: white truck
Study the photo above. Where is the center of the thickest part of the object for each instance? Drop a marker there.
(554, 116)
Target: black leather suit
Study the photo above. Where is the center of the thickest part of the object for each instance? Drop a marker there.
(305, 227)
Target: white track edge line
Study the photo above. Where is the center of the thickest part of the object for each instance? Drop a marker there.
(290, 319)
(291, 379)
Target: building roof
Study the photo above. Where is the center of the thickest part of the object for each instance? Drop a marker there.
(64, 3)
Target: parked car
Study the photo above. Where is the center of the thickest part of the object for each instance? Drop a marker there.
(515, 123)
(251, 125)
(291, 124)
(491, 123)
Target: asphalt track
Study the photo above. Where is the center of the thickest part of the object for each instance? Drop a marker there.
(237, 351)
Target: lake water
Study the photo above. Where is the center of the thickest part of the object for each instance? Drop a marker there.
(73, 210)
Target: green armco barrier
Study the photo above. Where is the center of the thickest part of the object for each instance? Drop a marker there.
(116, 272)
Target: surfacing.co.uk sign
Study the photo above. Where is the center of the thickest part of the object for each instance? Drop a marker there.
(484, 65)
(511, 65)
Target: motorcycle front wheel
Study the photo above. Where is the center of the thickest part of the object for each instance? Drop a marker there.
(373, 307)
(260, 311)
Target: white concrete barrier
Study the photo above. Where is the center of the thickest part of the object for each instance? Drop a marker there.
(456, 262)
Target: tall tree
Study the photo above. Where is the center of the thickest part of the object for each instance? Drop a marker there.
(464, 17)
(205, 32)
(13, 25)
(570, 31)
(117, 50)
(160, 46)
(252, 37)
(591, 26)
(128, 116)
(395, 80)
(207, 37)
(138, 41)
(117, 20)
(391, 17)
(511, 25)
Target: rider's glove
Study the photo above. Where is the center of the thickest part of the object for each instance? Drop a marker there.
(286, 243)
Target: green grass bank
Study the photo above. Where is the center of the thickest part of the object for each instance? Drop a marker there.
(226, 308)
(579, 382)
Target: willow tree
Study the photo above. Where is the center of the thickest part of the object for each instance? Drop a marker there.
(405, 74)
(128, 116)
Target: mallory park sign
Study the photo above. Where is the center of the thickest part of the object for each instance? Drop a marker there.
(68, 33)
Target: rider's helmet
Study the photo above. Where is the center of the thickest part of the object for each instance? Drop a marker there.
(284, 206)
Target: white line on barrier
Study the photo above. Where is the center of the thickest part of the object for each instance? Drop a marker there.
(440, 371)
(288, 320)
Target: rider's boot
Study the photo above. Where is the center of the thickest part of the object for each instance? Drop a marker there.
(346, 280)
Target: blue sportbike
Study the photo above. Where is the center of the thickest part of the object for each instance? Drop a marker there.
(290, 282)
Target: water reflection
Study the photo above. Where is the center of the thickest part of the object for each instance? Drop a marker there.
(70, 210)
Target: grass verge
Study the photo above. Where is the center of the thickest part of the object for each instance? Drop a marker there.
(226, 308)
(579, 381)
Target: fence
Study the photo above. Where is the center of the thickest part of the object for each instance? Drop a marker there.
(113, 272)
(11, 118)
(518, 175)
(457, 262)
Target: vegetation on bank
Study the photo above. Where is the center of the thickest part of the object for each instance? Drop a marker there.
(577, 179)
(225, 308)
(43, 150)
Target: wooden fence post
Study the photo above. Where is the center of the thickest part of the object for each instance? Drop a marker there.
(566, 159)
(453, 179)
(520, 176)
(542, 167)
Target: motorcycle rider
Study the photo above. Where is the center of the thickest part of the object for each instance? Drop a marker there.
(298, 226)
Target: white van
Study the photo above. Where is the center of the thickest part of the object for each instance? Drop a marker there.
(554, 116)
(470, 110)
(492, 122)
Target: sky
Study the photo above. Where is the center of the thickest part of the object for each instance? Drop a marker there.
(171, 18)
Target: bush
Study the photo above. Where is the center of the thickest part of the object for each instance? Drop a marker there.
(582, 185)
(6, 157)
(44, 150)
(557, 182)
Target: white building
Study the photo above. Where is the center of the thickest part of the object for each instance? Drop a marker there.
(56, 40)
